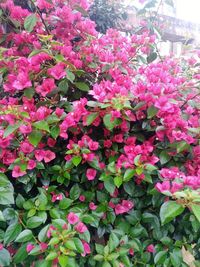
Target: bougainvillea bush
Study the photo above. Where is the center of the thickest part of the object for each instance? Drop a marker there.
(99, 144)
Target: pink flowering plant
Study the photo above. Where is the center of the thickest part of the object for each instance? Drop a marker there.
(99, 144)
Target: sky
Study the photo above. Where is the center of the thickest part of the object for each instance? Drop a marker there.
(189, 10)
(186, 9)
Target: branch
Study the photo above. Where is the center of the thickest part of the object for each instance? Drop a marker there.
(40, 15)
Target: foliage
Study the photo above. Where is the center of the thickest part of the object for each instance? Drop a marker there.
(100, 153)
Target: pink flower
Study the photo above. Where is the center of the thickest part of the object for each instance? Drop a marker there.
(81, 228)
(82, 198)
(92, 206)
(56, 197)
(57, 71)
(91, 173)
(43, 246)
(72, 218)
(31, 164)
(1, 246)
(17, 172)
(25, 129)
(86, 247)
(131, 251)
(93, 145)
(51, 142)
(164, 186)
(39, 155)
(50, 230)
(124, 207)
(48, 156)
(29, 247)
(150, 248)
(47, 86)
(26, 147)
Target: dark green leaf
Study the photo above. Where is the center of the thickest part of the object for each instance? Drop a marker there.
(12, 232)
(24, 236)
(5, 258)
(196, 210)
(160, 257)
(169, 210)
(151, 112)
(30, 22)
(151, 57)
(82, 86)
(35, 137)
(34, 222)
(75, 192)
(91, 118)
(6, 191)
(11, 129)
(41, 125)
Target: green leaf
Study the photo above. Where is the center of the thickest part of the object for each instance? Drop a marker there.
(41, 125)
(51, 256)
(5, 258)
(75, 192)
(118, 181)
(176, 257)
(110, 124)
(65, 203)
(113, 242)
(78, 244)
(129, 173)
(35, 137)
(151, 57)
(2, 219)
(76, 160)
(106, 264)
(6, 191)
(34, 222)
(70, 245)
(29, 92)
(70, 76)
(42, 236)
(169, 210)
(11, 129)
(160, 257)
(82, 86)
(63, 86)
(109, 185)
(24, 236)
(21, 254)
(12, 232)
(30, 22)
(151, 112)
(91, 118)
(182, 146)
(196, 210)
(55, 131)
(164, 157)
(63, 260)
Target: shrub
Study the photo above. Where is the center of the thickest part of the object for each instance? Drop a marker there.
(100, 154)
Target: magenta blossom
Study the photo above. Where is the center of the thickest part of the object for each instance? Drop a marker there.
(72, 218)
(91, 173)
(81, 228)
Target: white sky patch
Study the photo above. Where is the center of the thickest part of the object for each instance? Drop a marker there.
(189, 10)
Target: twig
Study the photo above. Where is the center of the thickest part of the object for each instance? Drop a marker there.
(189, 99)
(40, 15)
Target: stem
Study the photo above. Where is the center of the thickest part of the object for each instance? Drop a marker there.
(189, 99)
(40, 15)
(21, 222)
